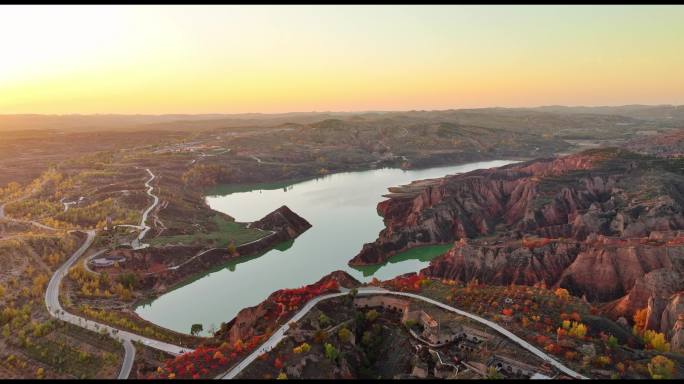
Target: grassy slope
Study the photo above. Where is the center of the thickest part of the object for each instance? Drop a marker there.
(226, 231)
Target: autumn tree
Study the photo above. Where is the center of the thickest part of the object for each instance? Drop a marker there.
(344, 334)
(577, 330)
(320, 336)
(278, 363)
(562, 294)
(640, 320)
(656, 340)
(661, 367)
(231, 248)
(331, 352)
(128, 280)
(493, 374)
(323, 320)
(612, 342)
(372, 315)
(602, 360)
(303, 348)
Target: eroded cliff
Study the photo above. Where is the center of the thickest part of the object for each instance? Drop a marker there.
(605, 224)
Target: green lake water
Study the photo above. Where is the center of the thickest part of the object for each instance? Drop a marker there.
(342, 211)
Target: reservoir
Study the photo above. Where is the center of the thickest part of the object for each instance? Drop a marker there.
(342, 211)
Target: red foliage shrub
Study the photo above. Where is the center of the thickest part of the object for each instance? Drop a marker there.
(197, 364)
(410, 283)
(292, 299)
(278, 363)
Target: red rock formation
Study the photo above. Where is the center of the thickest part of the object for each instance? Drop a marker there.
(505, 264)
(283, 220)
(605, 273)
(286, 224)
(566, 197)
(605, 224)
(255, 320)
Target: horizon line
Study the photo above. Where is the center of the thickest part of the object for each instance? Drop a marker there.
(337, 111)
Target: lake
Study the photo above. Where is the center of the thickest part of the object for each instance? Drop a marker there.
(342, 211)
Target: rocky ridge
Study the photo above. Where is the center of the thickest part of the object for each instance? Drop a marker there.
(605, 224)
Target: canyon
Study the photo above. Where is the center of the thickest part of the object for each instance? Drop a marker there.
(605, 224)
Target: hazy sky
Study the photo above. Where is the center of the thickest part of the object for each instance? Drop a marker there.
(229, 59)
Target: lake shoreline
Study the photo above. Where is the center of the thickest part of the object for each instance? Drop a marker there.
(349, 212)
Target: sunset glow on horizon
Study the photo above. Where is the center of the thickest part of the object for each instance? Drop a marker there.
(236, 59)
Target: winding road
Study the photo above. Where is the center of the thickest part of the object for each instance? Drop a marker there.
(143, 222)
(56, 310)
(35, 223)
(279, 335)
(126, 338)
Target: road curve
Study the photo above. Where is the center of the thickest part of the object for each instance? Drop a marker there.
(129, 357)
(510, 335)
(279, 335)
(35, 223)
(276, 337)
(56, 310)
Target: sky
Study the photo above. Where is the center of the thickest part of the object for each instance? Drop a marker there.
(158, 59)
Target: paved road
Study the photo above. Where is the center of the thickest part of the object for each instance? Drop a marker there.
(37, 224)
(129, 226)
(279, 335)
(56, 310)
(137, 242)
(188, 260)
(129, 357)
(257, 159)
(510, 335)
(276, 337)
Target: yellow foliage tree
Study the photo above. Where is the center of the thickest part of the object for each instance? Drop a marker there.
(566, 324)
(305, 347)
(661, 367)
(656, 340)
(577, 330)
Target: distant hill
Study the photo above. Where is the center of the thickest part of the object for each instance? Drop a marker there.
(643, 112)
(612, 119)
(171, 121)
